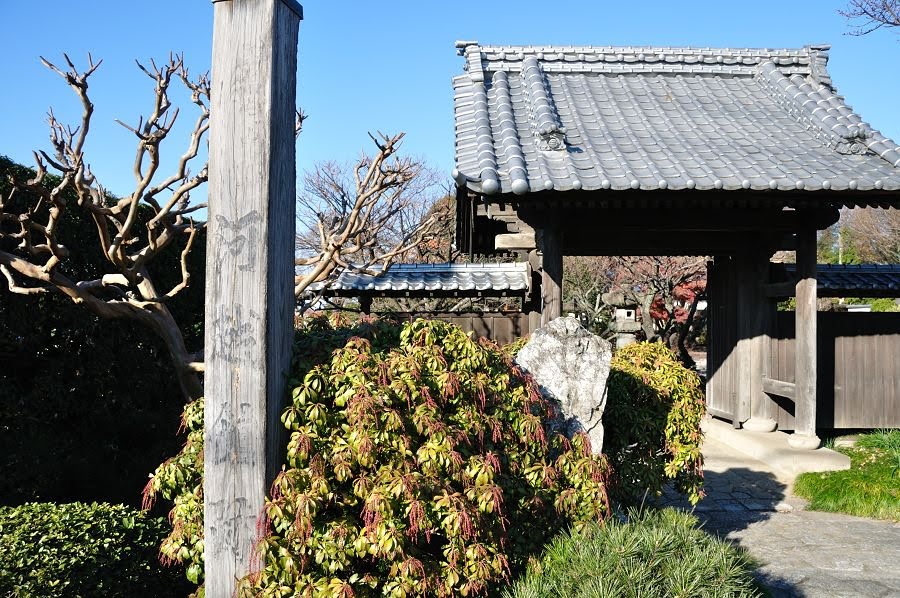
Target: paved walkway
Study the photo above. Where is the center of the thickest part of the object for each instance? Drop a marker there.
(801, 553)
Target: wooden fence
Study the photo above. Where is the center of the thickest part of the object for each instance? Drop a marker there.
(858, 369)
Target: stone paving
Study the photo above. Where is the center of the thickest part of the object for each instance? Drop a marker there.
(801, 553)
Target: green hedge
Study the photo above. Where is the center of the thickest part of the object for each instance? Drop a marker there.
(652, 424)
(653, 554)
(87, 405)
(80, 549)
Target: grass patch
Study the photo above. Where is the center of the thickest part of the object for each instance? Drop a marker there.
(870, 488)
(655, 553)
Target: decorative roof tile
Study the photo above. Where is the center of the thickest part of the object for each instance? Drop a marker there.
(534, 118)
(400, 279)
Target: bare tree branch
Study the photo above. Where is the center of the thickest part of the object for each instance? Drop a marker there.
(382, 211)
(870, 15)
(131, 231)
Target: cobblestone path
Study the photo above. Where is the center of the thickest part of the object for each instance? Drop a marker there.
(801, 553)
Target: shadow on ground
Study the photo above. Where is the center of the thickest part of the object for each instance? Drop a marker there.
(736, 498)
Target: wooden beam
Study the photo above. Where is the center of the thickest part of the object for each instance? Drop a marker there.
(780, 289)
(531, 304)
(250, 268)
(515, 241)
(804, 435)
(551, 280)
(779, 388)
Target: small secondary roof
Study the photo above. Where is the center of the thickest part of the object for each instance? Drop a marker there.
(854, 280)
(539, 118)
(401, 280)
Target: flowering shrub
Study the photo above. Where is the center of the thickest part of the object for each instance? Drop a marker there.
(418, 464)
(652, 423)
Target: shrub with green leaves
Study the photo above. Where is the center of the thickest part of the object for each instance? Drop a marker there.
(652, 424)
(418, 464)
(79, 549)
(180, 478)
(652, 554)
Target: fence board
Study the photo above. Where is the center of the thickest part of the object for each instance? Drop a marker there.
(859, 373)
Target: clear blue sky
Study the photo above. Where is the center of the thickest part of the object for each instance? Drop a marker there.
(387, 66)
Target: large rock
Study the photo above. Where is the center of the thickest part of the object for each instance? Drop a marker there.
(571, 365)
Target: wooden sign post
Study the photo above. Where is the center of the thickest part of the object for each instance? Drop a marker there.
(249, 272)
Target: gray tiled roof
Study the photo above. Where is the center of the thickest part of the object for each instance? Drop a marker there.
(532, 118)
(399, 279)
(863, 280)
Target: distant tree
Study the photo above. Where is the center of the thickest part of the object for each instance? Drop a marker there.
(585, 280)
(869, 15)
(835, 244)
(874, 235)
(666, 289)
(862, 236)
(385, 208)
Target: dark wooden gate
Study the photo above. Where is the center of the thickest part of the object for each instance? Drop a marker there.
(722, 368)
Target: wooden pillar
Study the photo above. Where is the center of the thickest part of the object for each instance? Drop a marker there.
(365, 305)
(804, 436)
(551, 281)
(752, 346)
(250, 273)
(531, 305)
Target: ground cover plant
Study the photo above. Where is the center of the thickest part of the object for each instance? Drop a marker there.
(80, 549)
(652, 424)
(870, 488)
(418, 464)
(651, 553)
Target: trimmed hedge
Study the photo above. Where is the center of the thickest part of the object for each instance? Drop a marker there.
(652, 554)
(80, 549)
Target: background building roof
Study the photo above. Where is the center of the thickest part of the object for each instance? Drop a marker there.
(418, 279)
(863, 280)
(536, 118)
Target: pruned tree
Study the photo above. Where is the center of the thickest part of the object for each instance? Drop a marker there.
(870, 15)
(131, 231)
(380, 217)
(385, 208)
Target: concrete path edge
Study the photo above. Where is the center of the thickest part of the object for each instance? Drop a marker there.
(772, 448)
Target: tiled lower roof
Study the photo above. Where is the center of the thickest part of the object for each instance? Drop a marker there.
(539, 118)
(450, 279)
(864, 280)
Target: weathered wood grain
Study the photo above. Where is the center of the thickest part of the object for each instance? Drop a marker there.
(723, 369)
(805, 368)
(779, 387)
(551, 281)
(858, 376)
(753, 309)
(250, 302)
